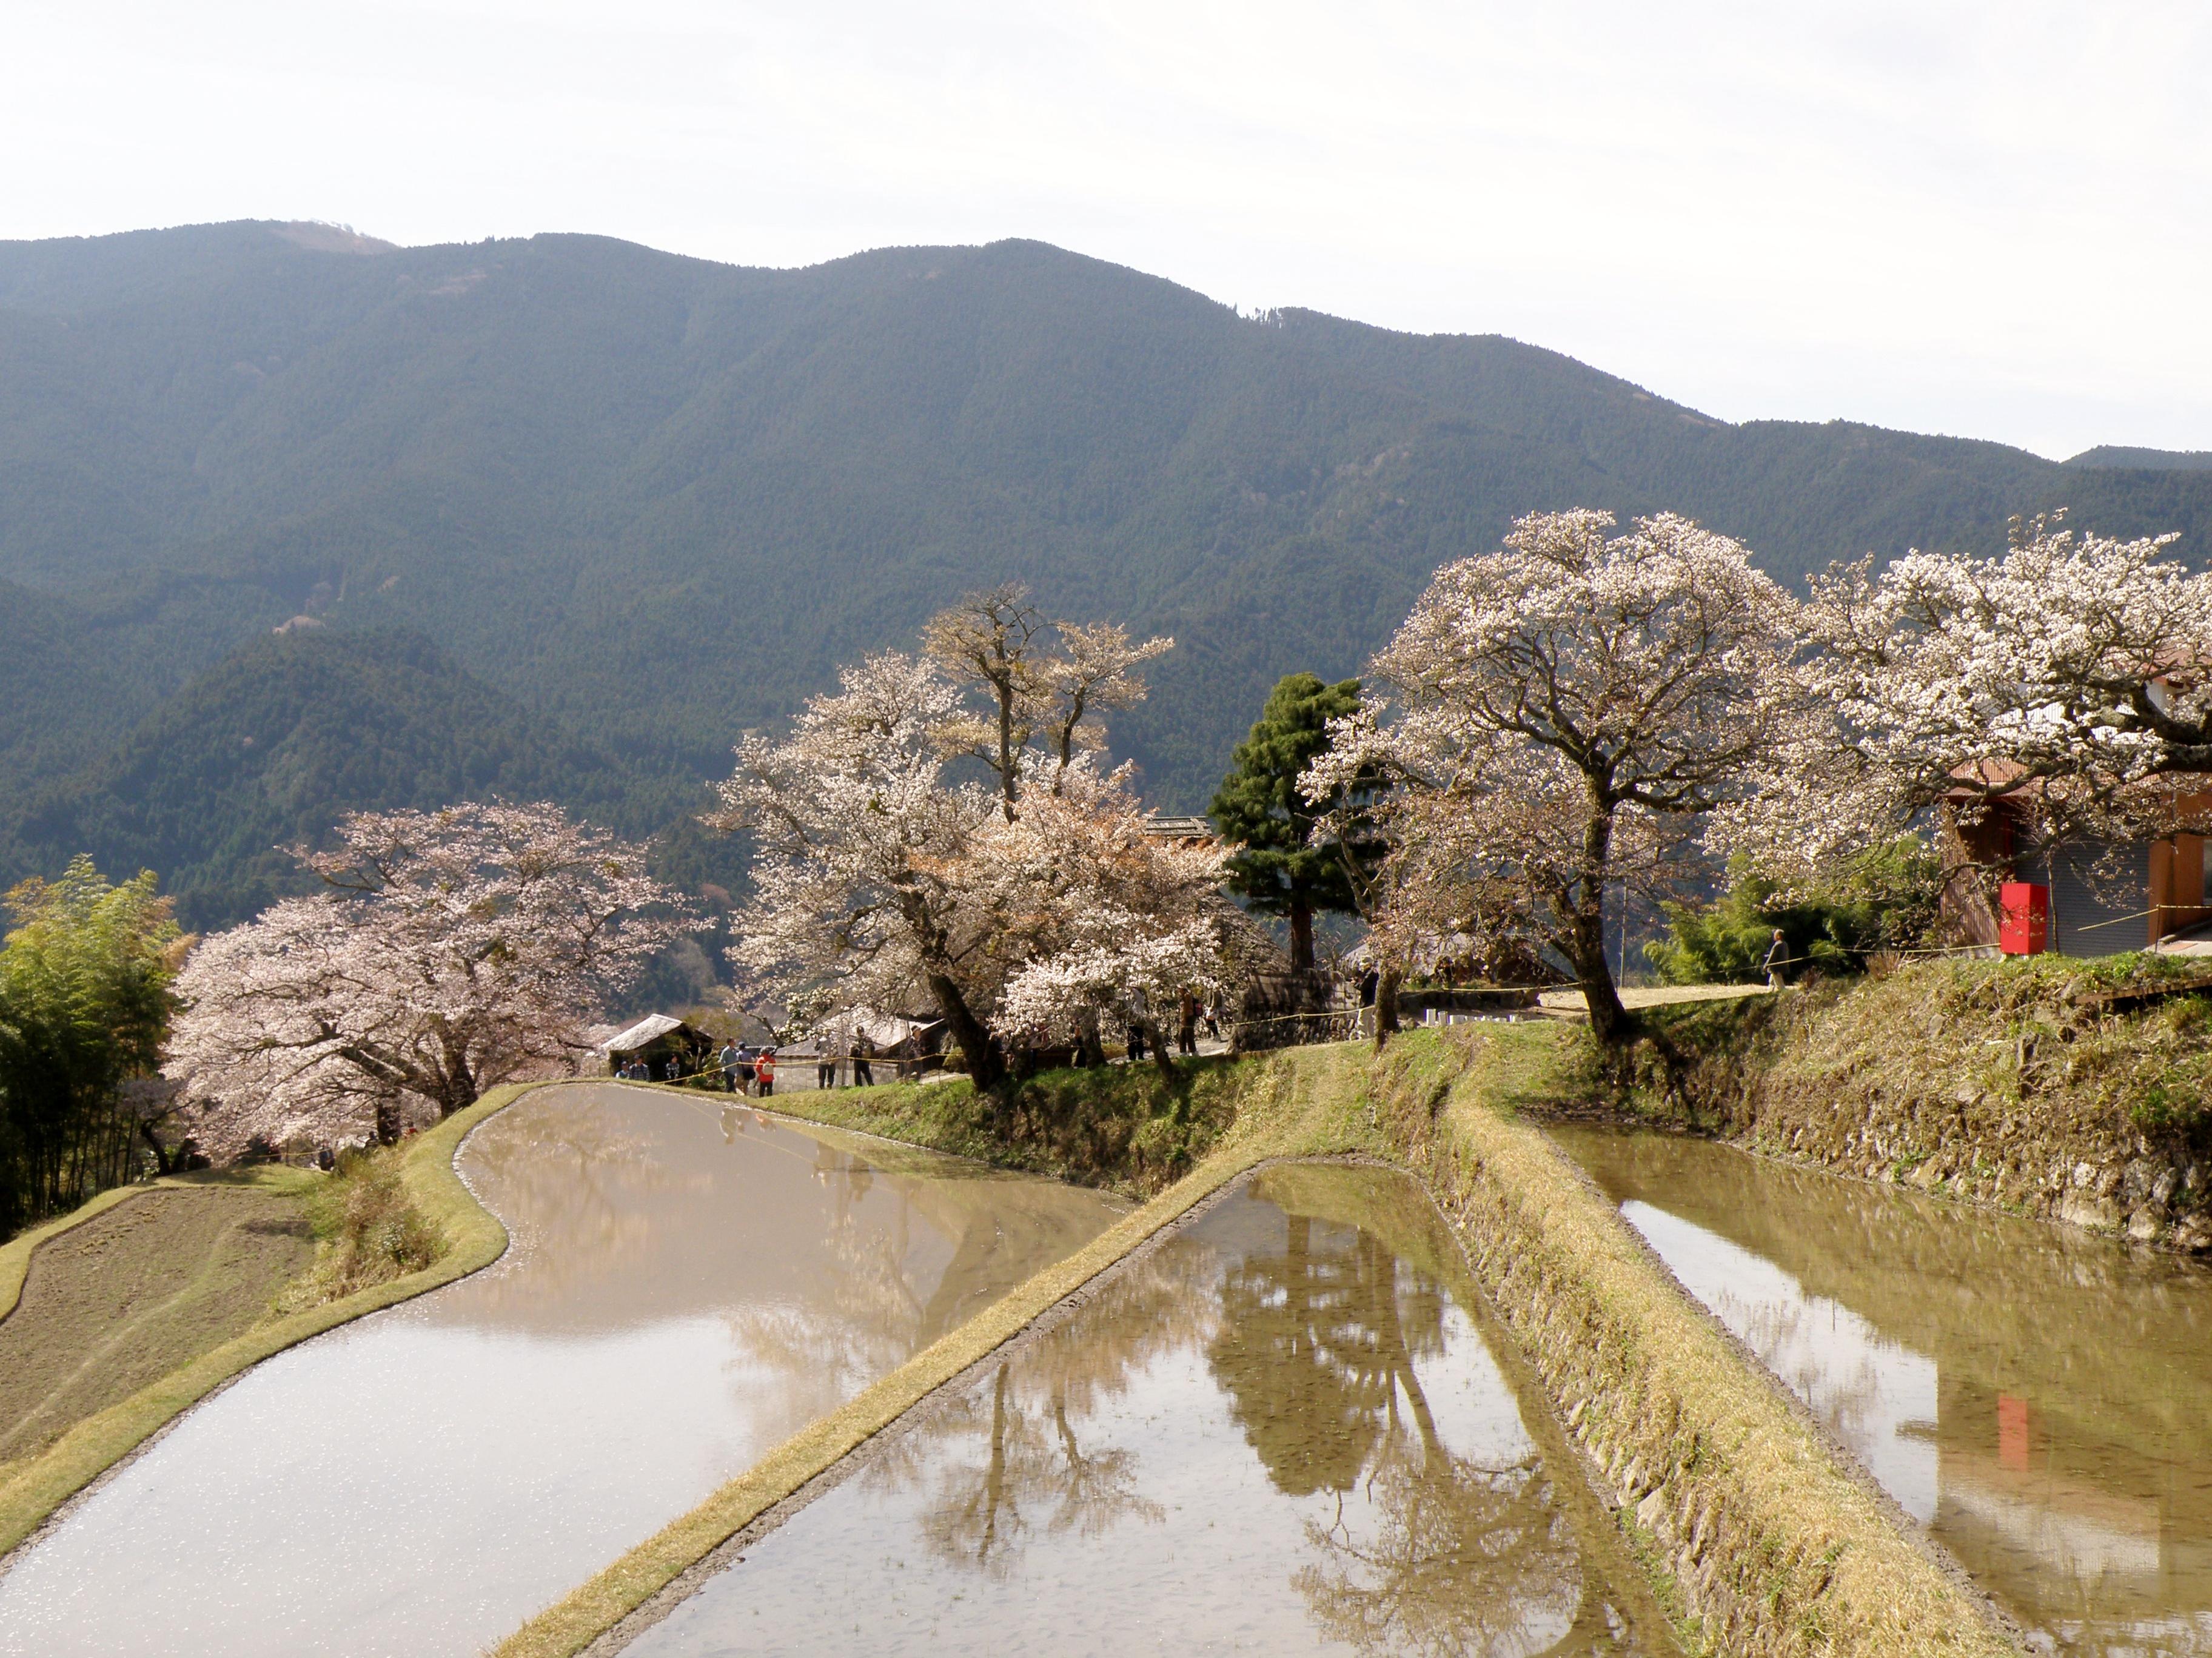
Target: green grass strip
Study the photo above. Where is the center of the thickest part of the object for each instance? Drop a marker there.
(1292, 1104)
(474, 1239)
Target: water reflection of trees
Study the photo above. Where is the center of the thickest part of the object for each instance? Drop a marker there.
(1317, 1351)
(1317, 1347)
(1793, 1339)
(868, 1312)
(576, 1185)
(860, 1317)
(2106, 1353)
(1009, 1459)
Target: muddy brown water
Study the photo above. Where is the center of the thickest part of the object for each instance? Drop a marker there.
(1278, 1432)
(690, 1283)
(2041, 1400)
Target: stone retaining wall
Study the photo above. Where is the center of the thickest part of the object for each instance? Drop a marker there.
(2005, 1088)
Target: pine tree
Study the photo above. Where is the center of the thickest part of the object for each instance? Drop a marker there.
(1258, 806)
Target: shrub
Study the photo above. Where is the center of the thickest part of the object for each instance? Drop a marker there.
(1884, 903)
(368, 1230)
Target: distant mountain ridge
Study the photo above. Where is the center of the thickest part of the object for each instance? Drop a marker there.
(653, 500)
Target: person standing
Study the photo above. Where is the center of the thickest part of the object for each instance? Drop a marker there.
(863, 1050)
(764, 1070)
(826, 1065)
(1777, 957)
(1187, 1026)
(728, 1058)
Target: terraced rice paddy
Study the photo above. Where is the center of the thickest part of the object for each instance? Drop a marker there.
(2039, 1399)
(1281, 1430)
(690, 1283)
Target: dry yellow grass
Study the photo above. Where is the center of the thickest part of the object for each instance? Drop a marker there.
(32, 1490)
(1776, 1548)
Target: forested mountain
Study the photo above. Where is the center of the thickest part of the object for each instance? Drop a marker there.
(654, 499)
(271, 745)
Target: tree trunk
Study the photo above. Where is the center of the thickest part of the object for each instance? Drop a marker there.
(162, 1164)
(1301, 933)
(1089, 1045)
(1609, 1020)
(987, 1064)
(1386, 1004)
(1162, 1055)
(1009, 783)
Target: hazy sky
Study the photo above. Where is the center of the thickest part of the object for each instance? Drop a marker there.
(1991, 220)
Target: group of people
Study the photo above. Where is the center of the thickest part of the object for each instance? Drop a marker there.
(747, 1069)
(644, 1071)
(864, 1072)
(1190, 1013)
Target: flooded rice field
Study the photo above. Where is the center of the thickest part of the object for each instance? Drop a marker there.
(1281, 1431)
(2040, 1399)
(690, 1281)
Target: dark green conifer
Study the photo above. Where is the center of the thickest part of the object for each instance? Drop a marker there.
(1259, 806)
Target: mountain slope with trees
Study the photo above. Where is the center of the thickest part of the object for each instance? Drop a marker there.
(655, 499)
(281, 739)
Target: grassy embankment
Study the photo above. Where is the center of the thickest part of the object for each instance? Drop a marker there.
(1125, 1128)
(119, 1317)
(2013, 1084)
(1751, 1531)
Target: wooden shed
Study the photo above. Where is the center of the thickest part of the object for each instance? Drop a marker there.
(2105, 896)
(657, 1039)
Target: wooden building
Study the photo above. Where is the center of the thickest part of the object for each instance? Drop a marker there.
(2104, 898)
(656, 1039)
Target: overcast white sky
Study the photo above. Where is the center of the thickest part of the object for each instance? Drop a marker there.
(1991, 220)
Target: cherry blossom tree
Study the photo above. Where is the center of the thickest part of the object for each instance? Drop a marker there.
(1557, 715)
(879, 875)
(448, 952)
(1039, 708)
(1104, 913)
(860, 843)
(2070, 677)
